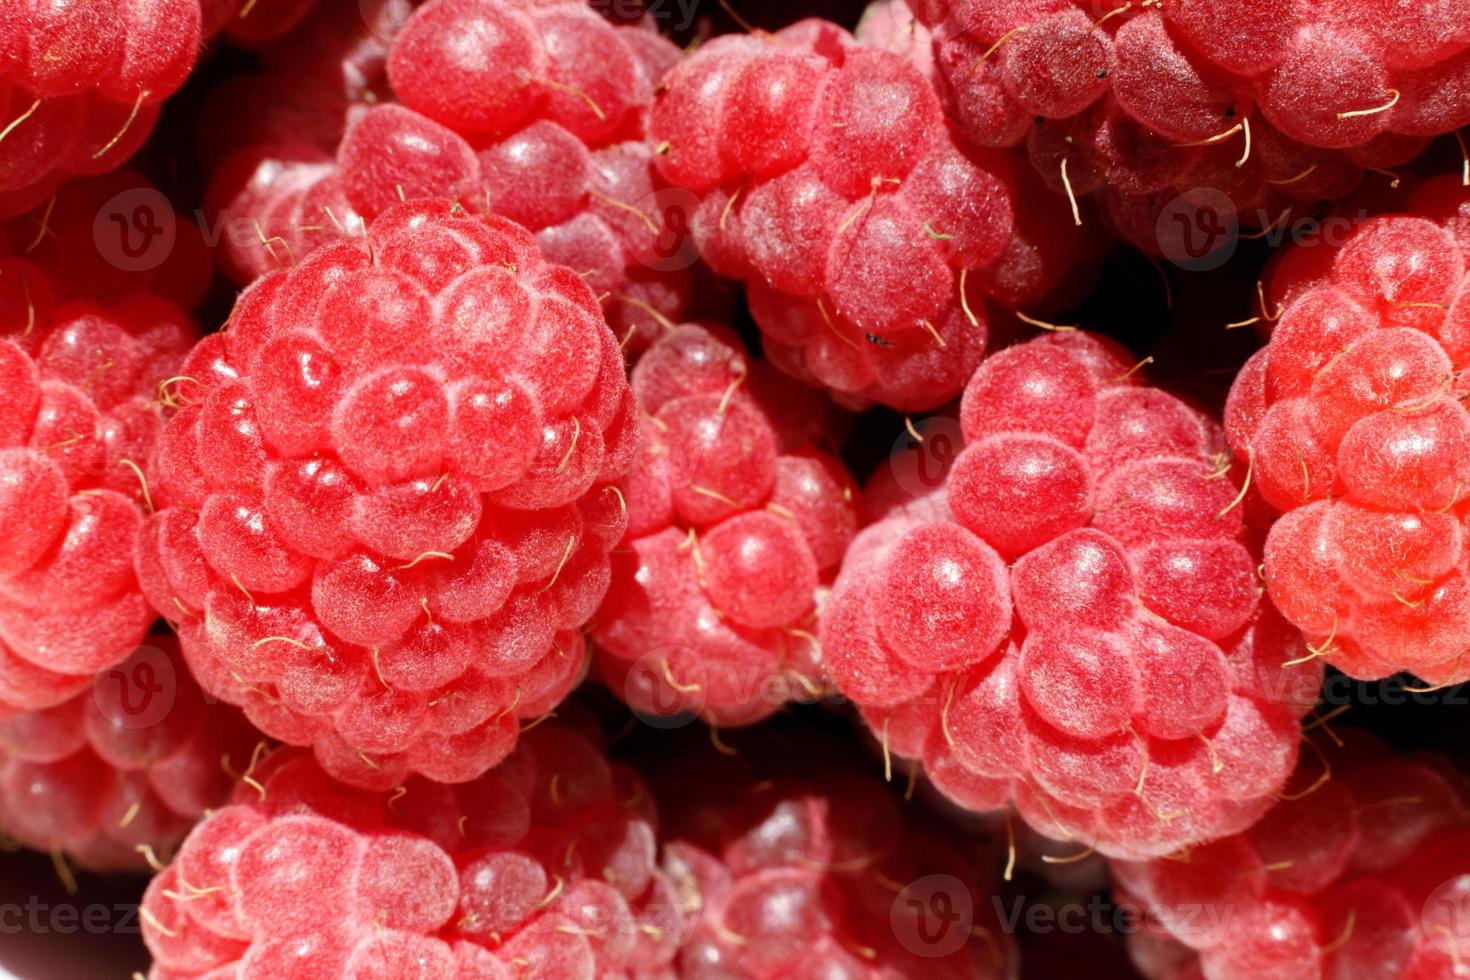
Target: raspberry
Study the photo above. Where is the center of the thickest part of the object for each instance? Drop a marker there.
(832, 186)
(735, 520)
(535, 112)
(81, 82)
(79, 416)
(1351, 422)
(384, 503)
(1352, 873)
(816, 871)
(1272, 105)
(1070, 624)
(544, 868)
(122, 769)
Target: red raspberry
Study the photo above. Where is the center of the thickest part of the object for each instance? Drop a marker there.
(385, 503)
(1356, 872)
(1071, 623)
(124, 769)
(542, 870)
(542, 123)
(1351, 421)
(833, 188)
(1268, 105)
(735, 520)
(79, 413)
(81, 81)
(814, 871)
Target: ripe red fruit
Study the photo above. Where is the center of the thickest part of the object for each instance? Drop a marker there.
(1071, 624)
(735, 519)
(81, 81)
(536, 113)
(122, 769)
(385, 503)
(543, 869)
(79, 413)
(1351, 421)
(1357, 871)
(829, 183)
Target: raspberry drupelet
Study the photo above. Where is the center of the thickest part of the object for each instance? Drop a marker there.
(1072, 624)
(1352, 422)
(386, 500)
(118, 774)
(737, 519)
(541, 870)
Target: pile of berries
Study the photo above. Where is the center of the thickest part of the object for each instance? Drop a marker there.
(468, 510)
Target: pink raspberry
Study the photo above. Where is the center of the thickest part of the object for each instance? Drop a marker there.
(1351, 422)
(532, 111)
(385, 504)
(1071, 623)
(794, 865)
(1356, 872)
(542, 870)
(120, 772)
(79, 412)
(1252, 110)
(831, 185)
(735, 522)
